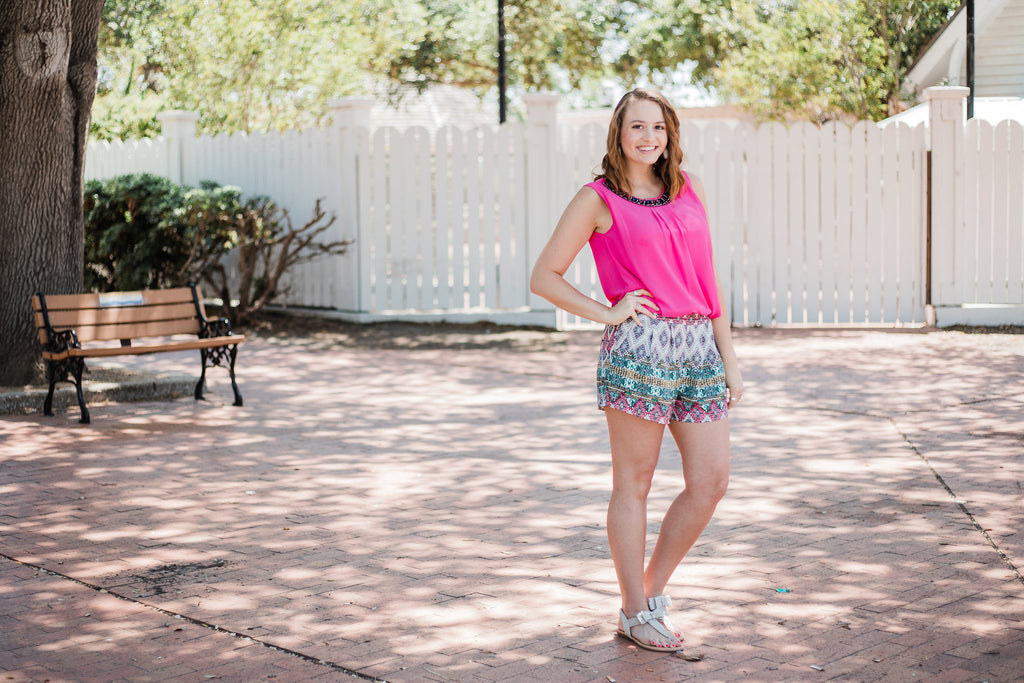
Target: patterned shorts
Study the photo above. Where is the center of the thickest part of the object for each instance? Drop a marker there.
(666, 369)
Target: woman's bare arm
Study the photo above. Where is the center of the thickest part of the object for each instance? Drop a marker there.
(586, 213)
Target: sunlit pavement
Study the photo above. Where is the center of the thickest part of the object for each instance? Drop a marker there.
(437, 514)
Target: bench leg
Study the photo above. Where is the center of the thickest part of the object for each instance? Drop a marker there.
(202, 379)
(216, 356)
(81, 404)
(77, 367)
(51, 376)
(68, 370)
(231, 371)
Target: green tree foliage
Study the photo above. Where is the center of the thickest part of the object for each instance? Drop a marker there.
(257, 66)
(824, 59)
(245, 65)
(814, 60)
(549, 44)
(128, 96)
(242, 65)
(781, 59)
(905, 27)
(659, 35)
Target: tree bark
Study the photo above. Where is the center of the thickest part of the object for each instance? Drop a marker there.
(47, 85)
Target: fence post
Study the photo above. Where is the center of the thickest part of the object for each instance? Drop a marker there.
(946, 120)
(178, 128)
(541, 165)
(351, 120)
(348, 112)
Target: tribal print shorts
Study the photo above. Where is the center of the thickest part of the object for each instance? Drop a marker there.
(667, 369)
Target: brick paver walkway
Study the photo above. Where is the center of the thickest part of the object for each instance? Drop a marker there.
(437, 514)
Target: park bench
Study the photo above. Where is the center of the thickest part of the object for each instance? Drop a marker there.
(69, 324)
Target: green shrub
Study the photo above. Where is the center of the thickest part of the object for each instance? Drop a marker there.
(134, 235)
(143, 232)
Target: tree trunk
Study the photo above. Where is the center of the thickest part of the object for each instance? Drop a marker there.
(47, 85)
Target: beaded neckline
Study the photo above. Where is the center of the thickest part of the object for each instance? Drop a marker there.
(663, 200)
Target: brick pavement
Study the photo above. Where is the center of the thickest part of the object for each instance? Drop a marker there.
(437, 514)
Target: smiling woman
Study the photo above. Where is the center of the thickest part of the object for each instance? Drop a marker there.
(666, 357)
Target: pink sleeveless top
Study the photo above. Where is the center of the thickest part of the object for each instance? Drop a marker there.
(663, 249)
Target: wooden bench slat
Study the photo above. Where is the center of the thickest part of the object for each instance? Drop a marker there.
(158, 328)
(58, 302)
(108, 351)
(64, 319)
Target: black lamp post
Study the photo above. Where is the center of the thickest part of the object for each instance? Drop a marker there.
(970, 58)
(502, 75)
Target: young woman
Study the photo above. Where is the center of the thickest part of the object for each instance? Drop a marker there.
(666, 357)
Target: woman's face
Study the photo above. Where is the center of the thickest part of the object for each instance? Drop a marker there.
(644, 136)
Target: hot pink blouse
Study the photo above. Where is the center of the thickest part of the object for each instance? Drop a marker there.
(663, 249)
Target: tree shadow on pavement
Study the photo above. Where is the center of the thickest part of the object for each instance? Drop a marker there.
(437, 513)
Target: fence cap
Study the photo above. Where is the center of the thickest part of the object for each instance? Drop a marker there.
(541, 97)
(177, 115)
(353, 102)
(947, 92)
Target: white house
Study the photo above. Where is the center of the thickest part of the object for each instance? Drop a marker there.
(998, 52)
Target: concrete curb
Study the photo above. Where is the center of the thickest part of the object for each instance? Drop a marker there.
(144, 386)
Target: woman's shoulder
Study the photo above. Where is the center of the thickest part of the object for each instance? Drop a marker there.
(589, 198)
(592, 191)
(691, 181)
(590, 201)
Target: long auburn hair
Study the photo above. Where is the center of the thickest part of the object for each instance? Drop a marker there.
(668, 170)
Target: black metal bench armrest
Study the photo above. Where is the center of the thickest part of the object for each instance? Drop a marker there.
(56, 342)
(219, 327)
(61, 341)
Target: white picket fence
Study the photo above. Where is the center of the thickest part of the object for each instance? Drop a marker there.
(810, 225)
(990, 267)
(443, 220)
(976, 188)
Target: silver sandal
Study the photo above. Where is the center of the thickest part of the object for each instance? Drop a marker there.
(659, 605)
(626, 625)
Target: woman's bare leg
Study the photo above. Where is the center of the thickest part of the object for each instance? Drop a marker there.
(704, 448)
(635, 445)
